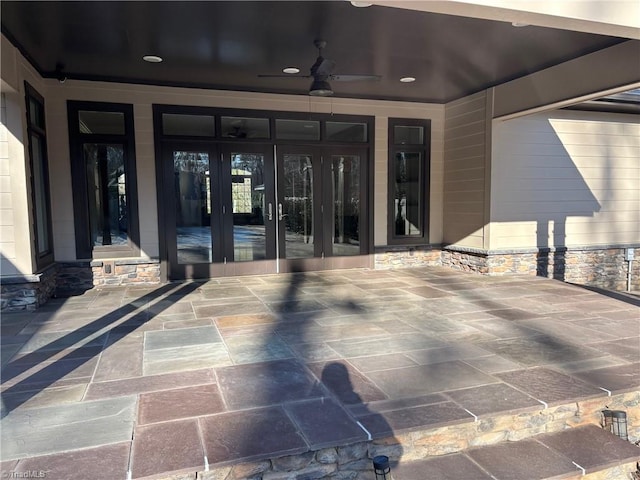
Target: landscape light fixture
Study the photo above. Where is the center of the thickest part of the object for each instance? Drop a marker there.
(616, 422)
(381, 467)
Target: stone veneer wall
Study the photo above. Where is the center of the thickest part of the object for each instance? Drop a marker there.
(81, 276)
(27, 292)
(354, 462)
(406, 257)
(603, 267)
(72, 278)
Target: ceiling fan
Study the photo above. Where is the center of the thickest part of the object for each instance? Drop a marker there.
(322, 72)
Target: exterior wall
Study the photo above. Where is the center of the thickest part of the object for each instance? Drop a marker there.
(143, 97)
(566, 179)
(466, 167)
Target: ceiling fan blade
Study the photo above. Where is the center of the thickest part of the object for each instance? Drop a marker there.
(354, 78)
(322, 67)
(284, 76)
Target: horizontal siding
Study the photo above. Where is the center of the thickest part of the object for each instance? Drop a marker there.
(566, 178)
(464, 171)
(142, 98)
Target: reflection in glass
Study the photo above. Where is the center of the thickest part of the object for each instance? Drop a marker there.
(189, 125)
(297, 207)
(407, 191)
(40, 195)
(107, 195)
(193, 206)
(346, 132)
(109, 123)
(242, 127)
(407, 135)
(345, 172)
(248, 201)
(297, 129)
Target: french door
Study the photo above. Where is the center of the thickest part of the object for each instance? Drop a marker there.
(231, 209)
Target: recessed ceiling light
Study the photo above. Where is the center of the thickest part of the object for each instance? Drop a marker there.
(407, 79)
(361, 4)
(291, 70)
(519, 24)
(152, 58)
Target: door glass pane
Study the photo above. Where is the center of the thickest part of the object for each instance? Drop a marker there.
(106, 194)
(345, 172)
(240, 127)
(189, 125)
(40, 196)
(346, 132)
(406, 135)
(36, 113)
(111, 123)
(407, 193)
(193, 206)
(297, 206)
(297, 129)
(248, 206)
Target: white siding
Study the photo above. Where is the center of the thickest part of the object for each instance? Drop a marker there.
(566, 178)
(465, 169)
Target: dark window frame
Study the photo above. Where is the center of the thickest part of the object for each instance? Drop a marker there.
(425, 175)
(45, 258)
(84, 247)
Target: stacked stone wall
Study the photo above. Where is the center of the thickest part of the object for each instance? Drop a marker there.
(406, 258)
(29, 292)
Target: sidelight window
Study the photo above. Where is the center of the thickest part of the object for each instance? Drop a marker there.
(408, 211)
(103, 176)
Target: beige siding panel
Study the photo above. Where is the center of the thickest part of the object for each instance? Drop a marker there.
(464, 171)
(143, 97)
(581, 181)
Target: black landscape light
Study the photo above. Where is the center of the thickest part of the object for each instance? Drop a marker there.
(616, 422)
(381, 467)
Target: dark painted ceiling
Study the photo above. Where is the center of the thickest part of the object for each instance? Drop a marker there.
(226, 45)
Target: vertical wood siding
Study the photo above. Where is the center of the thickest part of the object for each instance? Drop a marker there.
(465, 157)
(566, 178)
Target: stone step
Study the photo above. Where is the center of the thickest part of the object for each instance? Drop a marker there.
(586, 452)
(457, 444)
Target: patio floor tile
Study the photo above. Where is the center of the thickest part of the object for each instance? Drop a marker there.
(423, 379)
(181, 337)
(324, 423)
(178, 359)
(592, 446)
(179, 403)
(549, 386)
(250, 434)
(151, 383)
(429, 292)
(101, 463)
(346, 383)
(256, 348)
(267, 383)
(166, 448)
(449, 467)
(524, 459)
(616, 379)
(494, 398)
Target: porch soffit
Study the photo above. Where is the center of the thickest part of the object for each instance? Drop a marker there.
(226, 45)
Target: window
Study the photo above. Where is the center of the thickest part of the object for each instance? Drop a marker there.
(103, 175)
(408, 210)
(40, 203)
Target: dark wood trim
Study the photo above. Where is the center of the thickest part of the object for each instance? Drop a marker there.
(46, 258)
(425, 175)
(84, 249)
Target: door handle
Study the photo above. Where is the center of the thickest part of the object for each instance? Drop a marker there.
(280, 214)
(270, 212)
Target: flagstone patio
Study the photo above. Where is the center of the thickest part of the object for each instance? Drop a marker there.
(181, 377)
